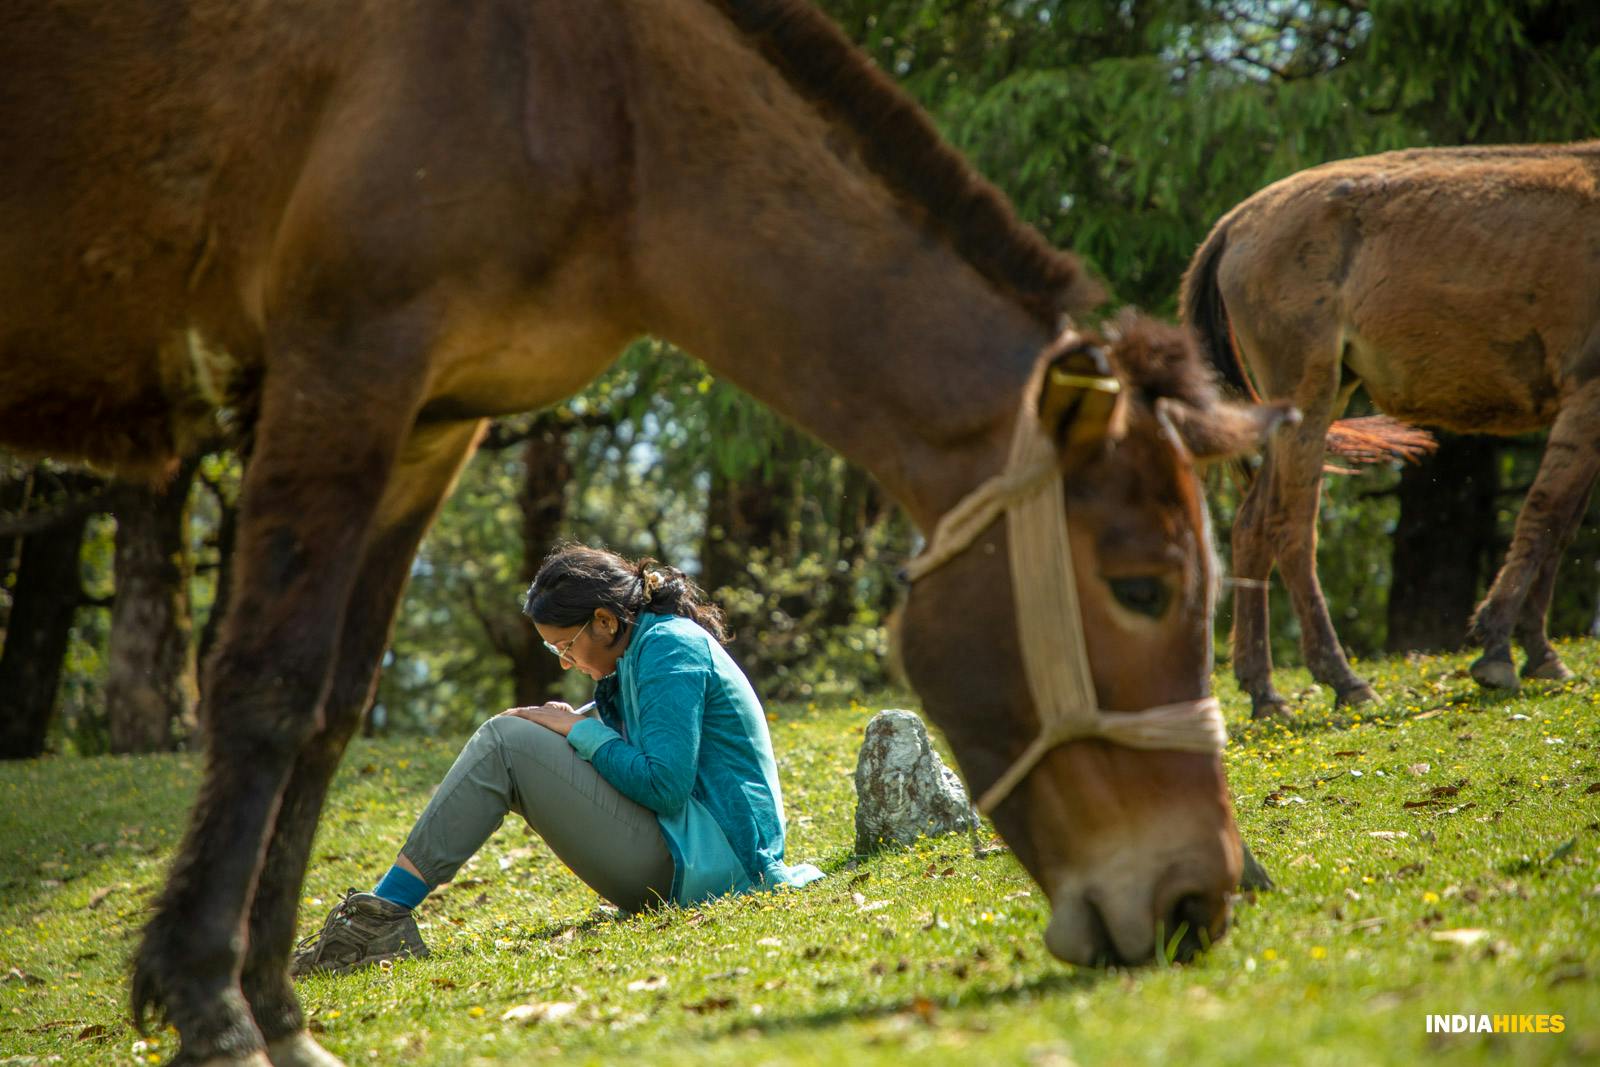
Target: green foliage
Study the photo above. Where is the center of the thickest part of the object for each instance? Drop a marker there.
(1505, 70)
(778, 619)
(1434, 854)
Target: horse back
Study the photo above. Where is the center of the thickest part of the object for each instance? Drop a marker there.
(1462, 285)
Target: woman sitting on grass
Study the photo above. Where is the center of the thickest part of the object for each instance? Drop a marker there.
(669, 793)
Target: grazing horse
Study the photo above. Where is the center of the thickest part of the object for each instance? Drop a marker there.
(360, 229)
(1461, 287)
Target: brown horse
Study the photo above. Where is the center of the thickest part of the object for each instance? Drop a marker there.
(1461, 287)
(361, 229)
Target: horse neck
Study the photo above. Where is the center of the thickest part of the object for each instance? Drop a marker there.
(766, 248)
(921, 388)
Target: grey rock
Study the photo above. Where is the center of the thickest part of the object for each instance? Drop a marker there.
(903, 789)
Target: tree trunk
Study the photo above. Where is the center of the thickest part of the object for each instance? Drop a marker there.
(150, 678)
(547, 468)
(1443, 543)
(43, 603)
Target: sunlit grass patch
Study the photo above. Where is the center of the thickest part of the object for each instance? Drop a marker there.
(1435, 853)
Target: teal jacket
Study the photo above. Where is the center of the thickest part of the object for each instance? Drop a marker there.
(682, 733)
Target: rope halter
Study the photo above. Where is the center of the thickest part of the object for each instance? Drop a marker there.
(1044, 589)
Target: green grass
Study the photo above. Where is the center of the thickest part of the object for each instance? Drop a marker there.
(930, 952)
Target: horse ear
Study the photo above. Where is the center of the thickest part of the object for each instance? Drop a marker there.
(1080, 400)
(1225, 429)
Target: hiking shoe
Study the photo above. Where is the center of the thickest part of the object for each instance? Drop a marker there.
(361, 929)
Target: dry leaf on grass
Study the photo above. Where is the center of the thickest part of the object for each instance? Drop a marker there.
(709, 1005)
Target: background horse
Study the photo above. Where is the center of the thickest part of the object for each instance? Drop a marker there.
(1461, 287)
(367, 227)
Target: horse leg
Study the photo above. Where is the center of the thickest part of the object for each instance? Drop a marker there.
(426, 469)
(326, 436)
(1549, 518)
(1543, 661)
(1298, 484)
(1252, 567)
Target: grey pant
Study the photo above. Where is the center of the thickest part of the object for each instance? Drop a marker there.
(612, 843)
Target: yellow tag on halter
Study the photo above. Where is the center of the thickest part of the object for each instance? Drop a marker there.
(1085, 381)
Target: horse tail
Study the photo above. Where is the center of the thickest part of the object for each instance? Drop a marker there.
(1377, 439)
(1200, 299)
(1207, 316)
(1364, 440)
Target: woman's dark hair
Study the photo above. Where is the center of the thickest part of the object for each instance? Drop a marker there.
(575, 579)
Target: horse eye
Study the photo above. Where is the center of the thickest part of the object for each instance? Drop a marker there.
(1147, 596)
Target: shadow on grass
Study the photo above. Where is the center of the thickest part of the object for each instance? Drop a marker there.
(1469, 699)
(918, 1010)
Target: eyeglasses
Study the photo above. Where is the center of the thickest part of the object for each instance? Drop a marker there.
(563, 651)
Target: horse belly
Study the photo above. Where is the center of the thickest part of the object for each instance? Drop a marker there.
(1472, 342)
(101, 230)
(95, 306)
(127, 401)
(500, 361)
(1460, 382)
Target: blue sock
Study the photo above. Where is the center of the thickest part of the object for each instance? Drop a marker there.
(401, 887)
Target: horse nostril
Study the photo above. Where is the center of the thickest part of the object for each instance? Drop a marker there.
(1078, 932)
(1105, 947)
(1186, 929)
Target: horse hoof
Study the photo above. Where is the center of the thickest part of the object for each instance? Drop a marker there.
(1271, 706)
(1360, 693)
(1495, 673)
(300, 1050)
(1550, 669)
(255, 1059)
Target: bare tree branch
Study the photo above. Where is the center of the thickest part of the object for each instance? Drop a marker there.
(33, 522)
(494, 626)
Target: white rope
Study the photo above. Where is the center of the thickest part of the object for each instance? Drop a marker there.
(1049, 621)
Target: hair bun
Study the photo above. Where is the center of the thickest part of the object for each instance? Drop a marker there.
(652, 582)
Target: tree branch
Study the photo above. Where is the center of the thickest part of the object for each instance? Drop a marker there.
(493, 627)
(32, 522)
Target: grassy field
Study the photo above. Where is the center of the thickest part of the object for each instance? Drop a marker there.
(1436, 853)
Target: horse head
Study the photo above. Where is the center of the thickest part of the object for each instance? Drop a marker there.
(1133, 841)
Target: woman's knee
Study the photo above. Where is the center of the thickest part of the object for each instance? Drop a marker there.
(515, 734)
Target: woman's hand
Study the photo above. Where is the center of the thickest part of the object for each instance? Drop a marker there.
(554, 715)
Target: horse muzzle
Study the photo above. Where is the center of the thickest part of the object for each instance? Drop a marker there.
(1134, 912)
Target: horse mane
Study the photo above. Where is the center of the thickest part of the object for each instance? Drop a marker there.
(899, 143)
